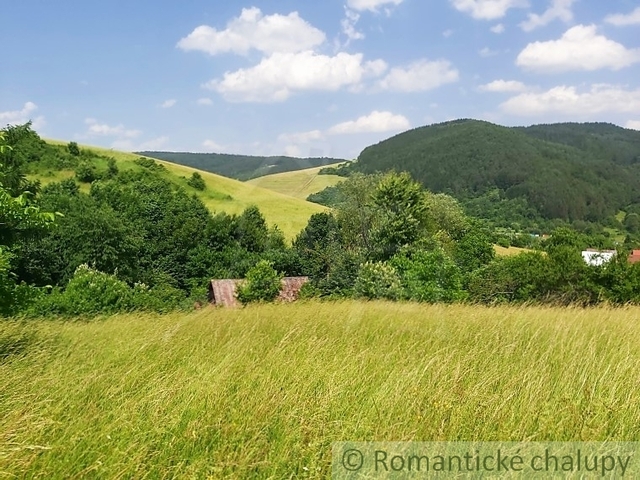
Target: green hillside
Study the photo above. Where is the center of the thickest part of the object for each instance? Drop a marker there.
(221, 194)
(600, 140)
(240, 167)
(571, 172)
(299, 183)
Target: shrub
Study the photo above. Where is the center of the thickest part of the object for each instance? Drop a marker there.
(14, 298)
(196, 181)
(263, 284)
(150, 164)
(73, 149)
(112, 168)
(378, 280)
(89, 292)
(87, 173)
(163, 297)
(429, 276)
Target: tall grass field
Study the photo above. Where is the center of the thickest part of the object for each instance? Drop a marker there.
(264, 391)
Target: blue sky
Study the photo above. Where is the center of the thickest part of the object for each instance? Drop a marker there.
(321, 78)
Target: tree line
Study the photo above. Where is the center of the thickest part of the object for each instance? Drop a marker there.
(133, 240)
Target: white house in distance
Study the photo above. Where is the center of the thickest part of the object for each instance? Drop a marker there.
(596, 258)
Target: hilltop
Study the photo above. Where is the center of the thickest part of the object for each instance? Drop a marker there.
(570, 172)
(298, 183)
(240, 167)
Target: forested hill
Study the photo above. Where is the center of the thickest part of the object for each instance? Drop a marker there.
(563, 171)
(240, 167)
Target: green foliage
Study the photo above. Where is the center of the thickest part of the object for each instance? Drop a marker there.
(473, 251)
(402, 214)
(429, 276)
(632, 222)
(569, 172)
(262, 284)
(163, 297)
(89, 293)
(378, 280)
(13, 297)
(73, 149)
(342, 170)
(329, 197)
(517, 278)
(87, 172)
(196, 181)
(112, 168)
(150, 164)
(252, 231)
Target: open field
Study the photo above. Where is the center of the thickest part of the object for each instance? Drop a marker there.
(262, 392)
(507, 252)
(299, 184)
(222, 194)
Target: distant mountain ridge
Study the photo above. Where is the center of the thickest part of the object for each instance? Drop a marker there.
(565, 171)
(240, 167)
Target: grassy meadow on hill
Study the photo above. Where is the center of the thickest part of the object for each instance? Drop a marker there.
(222, 194)
(298, 184)
(263, 391)
(241, 167)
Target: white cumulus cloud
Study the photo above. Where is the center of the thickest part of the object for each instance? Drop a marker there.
(292, 151)
(371, 5)
(580, 48)
(18, 117)
(487, 9)
(212, 146)
(622, 20)
(205, 101)
(503, 86)
(280, 75)
(559, 9)
(254, 31)
(348, 24)
(301, 137)
(420, 76)
(168, 103)
(499, 28)
(569, 101)
(376, 122)
(96, 129)
(487, 52)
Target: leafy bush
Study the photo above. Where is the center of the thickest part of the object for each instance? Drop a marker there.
(263, 284)
(522, 277)
(196, 181)
(429, 276)
(13, 297)
(378, 280)
(87, 173)
(73, 149)
(150, 164)
(163, 296)
(112, 168)
(89, 292)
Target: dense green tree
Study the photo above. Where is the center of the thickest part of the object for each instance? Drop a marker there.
(252, 231)
(73, 149)
(263, 284)
(401, 214)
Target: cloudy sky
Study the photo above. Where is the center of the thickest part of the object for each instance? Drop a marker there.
(321, 78)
